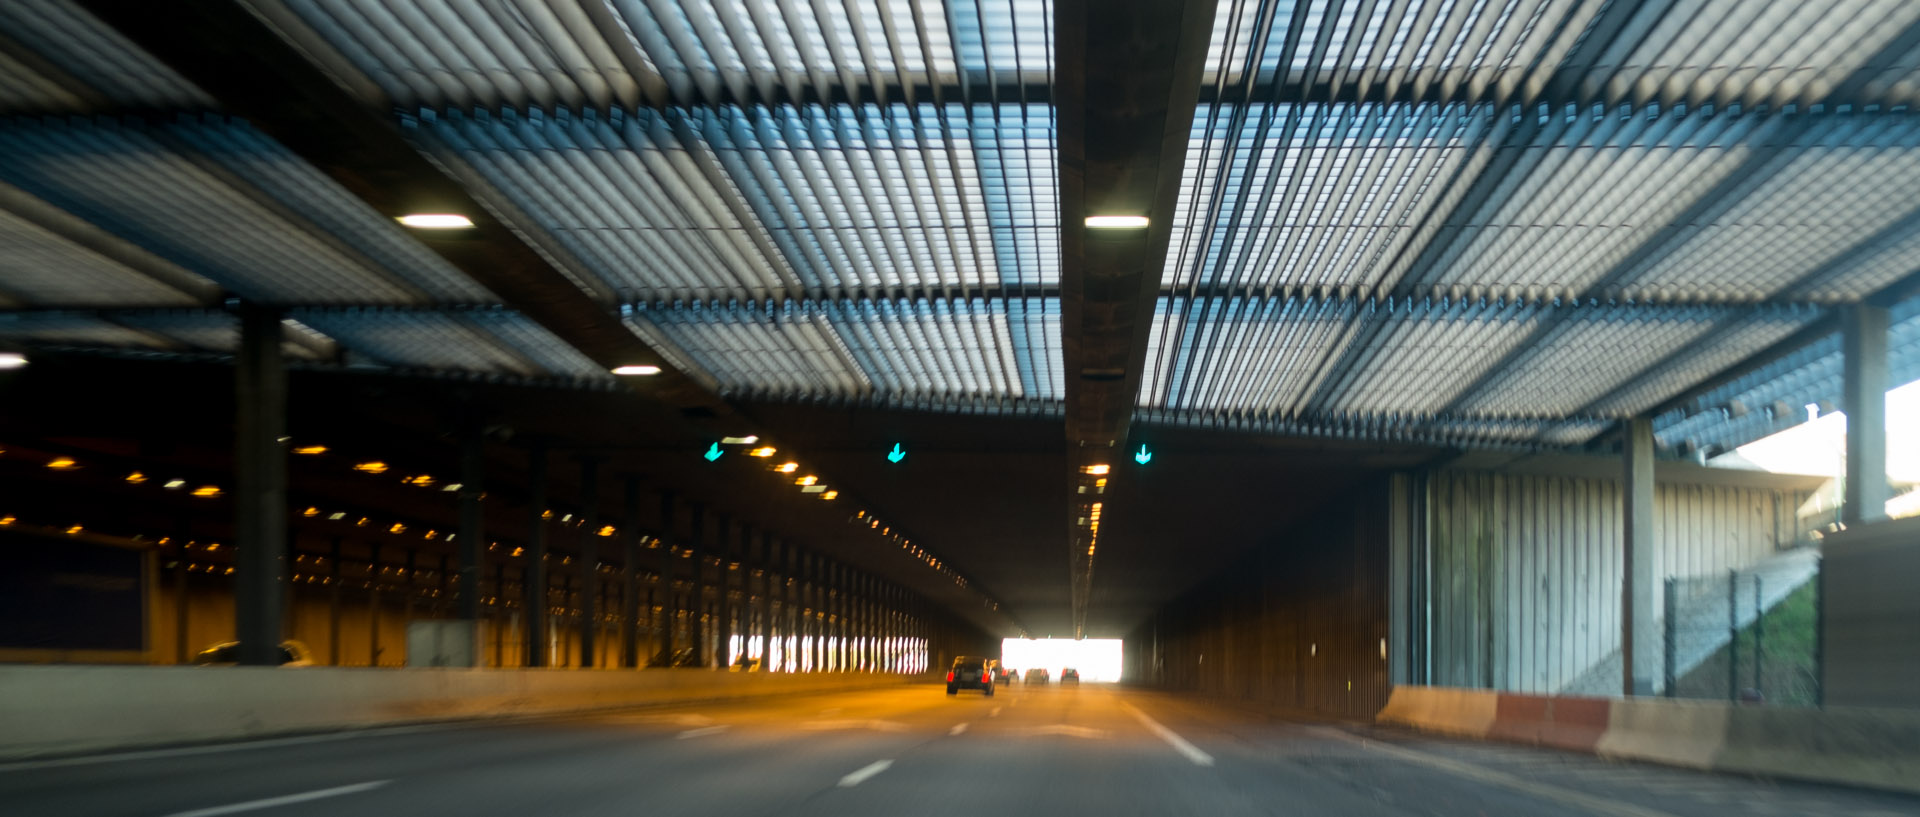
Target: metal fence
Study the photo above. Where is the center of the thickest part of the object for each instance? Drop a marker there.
(1749, 637)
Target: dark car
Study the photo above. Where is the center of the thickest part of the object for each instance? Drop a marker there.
(1069, 676)
(970, 672)
(1002, 675)
(1037, 676)
(682, 657)
(292, 654)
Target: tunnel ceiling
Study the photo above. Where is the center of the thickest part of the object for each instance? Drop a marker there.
(1378, 232)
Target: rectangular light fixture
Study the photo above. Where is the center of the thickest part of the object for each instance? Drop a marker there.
(750, 439)
(436, 221)
(310, 450)
(1097, 470)
(12, 360)
(814, 489)
(1116, 222)
(763, 451)
(636, 370)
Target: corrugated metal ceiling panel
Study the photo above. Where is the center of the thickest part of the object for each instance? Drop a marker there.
(67, 329)
(130, 181)
(541, 53)
(1325, 199)
(923, 352)
(1592, 352)
(1482, 47)
(1428, 352)
(1242, 354)
(40, 269)
(95, 54)
(424, 340)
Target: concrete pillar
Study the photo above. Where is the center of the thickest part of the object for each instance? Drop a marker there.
(630, 576)
(373, 605)
(472, 534)
(816, 615)
(589, 568)
(536, 600)
(789, 611)
(333, 602)
(260, 487)
(1639, 633)
(696, 627)
(1863, 334)
(769, 584)
(723, 655)
(669, 597)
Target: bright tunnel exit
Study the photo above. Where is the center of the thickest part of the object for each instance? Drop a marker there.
(1097, 659)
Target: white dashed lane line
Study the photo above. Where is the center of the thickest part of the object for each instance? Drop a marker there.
(1178, 743)
(287, 800)
(703, 731)
(957, 729)
(865, 772)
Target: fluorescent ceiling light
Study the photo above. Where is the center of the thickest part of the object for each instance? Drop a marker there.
(636, 370)
(1116, 222)
(12, 360)
(750, 439)
(436, 221)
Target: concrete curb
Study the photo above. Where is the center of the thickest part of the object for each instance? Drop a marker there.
(1876, 748)
(65, 710)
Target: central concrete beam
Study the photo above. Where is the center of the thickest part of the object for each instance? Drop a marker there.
(1639, 635)
(1863, 341)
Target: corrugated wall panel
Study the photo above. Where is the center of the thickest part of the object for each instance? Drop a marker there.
(1526, 569)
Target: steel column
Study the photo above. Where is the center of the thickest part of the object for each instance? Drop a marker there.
(589, 570)
(768, 561)
(535, 593)
(260, 487)
(668, 596)
(630, 577)
(1863, 334)
(1639, 633)
(723, 613)
(696, 625)
(473, 534)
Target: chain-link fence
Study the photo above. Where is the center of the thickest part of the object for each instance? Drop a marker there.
(1751, 637)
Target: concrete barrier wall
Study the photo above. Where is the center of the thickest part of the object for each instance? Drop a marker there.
(1878, 748)
(52, 710)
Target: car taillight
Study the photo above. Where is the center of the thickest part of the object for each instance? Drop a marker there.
(985, 678)
(949, 676)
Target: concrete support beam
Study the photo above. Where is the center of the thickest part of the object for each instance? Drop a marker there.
(663, 583)
(630, 575)
(260, 487)
(535, 593)
(1639, 633)
(472, 531)
(723, 656)
(769, 585)
(697, 607)
(589, 572)
(1863, 337)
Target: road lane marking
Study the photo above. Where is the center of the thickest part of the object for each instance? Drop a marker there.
(287, 800)
(957, 730)
(995, 713)
(1068, 730)
(703, 731)
(865, 772)
(1178, 743)
(1598, 805)
(873, 724)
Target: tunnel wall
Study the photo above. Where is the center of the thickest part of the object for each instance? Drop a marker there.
(1525, 570)
(1298, 622)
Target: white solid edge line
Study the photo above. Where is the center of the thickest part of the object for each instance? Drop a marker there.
(957, 729)
(287, 800)
(236, 746)
(1480, 774)
(1178, 743)
(865, 772)
(703, 731)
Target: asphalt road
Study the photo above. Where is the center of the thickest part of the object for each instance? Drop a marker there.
(1053, 751)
